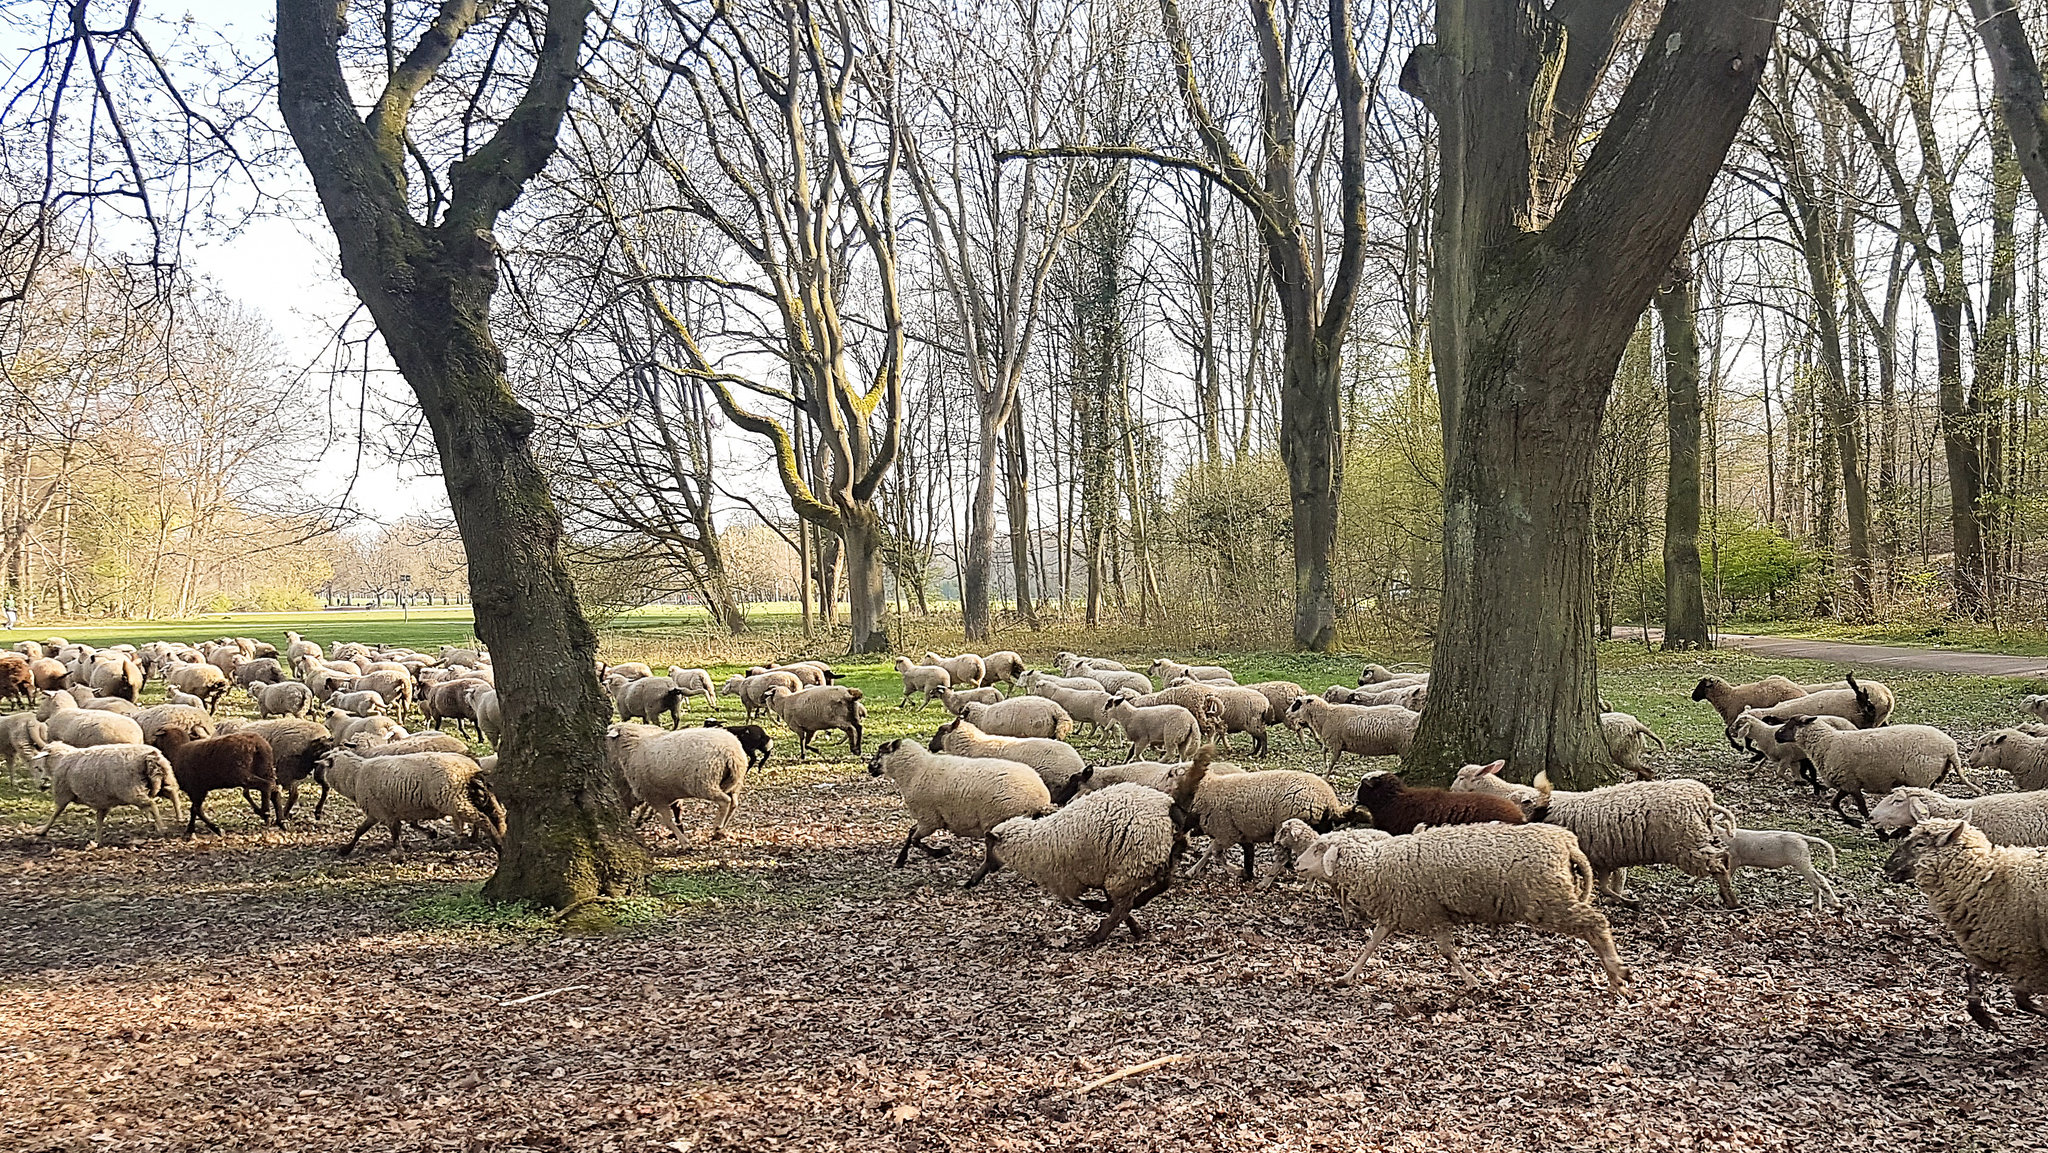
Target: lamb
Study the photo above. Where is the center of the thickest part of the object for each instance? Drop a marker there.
(21, 736)
(173, 697)
(395, 686)
(1729, 700)
(1169, 728)
(1753, 732)
(206, 682)
(627, 671)
(102, 779)
(2036, 706)
(966, 669)
(694, 683)
(1381, 674)
(453, 657)
(413, 787)
(1362, 730)
(489, 714)
(1628, 743)
(1001, 667)
(1086, 706)
(1874, 760)
(1398, 807)
(1124, 840)
(1993, 898)
(2023, 755)
(753, 690)
(819, 710)
(1021, 717)
(284, 699)
(261, 671)
(1244, 810)
(967, 797)
(956, 702)
(1867, 705)
(82, 727)
(1200, 699)
(1244, 711)
(358, 704)
(1488, 874)
(2003, 818)
(928, 680)
(659, 768)
(1119, 680)
(1055, 762)
(753, 738)
(650, 698)
(1166, 670)
(346, 729)
(1774, 849)
(1279, 695)
(1672, 822)
(239, 760)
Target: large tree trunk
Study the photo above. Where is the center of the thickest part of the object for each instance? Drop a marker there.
(1545, 266)
(2017, 73)
(867, 605)
(981, 529)
(429, 290)
(1685, 608)
(1311, 446)
(1017, 488)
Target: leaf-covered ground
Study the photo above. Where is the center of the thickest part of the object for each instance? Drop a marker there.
(786, 989)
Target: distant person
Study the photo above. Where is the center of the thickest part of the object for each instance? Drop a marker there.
(9, 611)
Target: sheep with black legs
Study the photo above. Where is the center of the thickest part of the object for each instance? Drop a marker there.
(964, 796)
(1171, 729)
(753, 738)
(413, 787)
(1001, 667)
(819, 710)
(752, 690)
(1362, 730)
(1123, 841)
(103, 778)
(1873, 760)
(651, 698)
(1245, 810)
(1730, 700)
(241, 761)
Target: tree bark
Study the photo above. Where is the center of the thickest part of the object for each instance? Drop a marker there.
(1685, 609)
(429, 289)
(1541, 304)
(981, 527)
(867, 604)
(2016, 72)
(1017, 487)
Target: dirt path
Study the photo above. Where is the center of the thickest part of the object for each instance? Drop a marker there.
(1881, 656)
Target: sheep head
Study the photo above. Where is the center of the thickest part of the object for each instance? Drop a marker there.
(1470, 774)
(882, 753)
(1705, 688)
(938, 744)
(1926, 837)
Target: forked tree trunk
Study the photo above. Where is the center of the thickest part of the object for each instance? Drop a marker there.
(1542, 268)
(429, 290)
(1685, 609)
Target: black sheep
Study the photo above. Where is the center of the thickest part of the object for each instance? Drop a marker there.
(1396, 808)
(753, 738)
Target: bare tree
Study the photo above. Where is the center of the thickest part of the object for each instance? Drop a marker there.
(424, 262)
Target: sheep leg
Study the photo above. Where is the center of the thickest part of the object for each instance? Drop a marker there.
(1248, 860)
(1379, 934)
(198, 815)
(989, 864)
(1820, 886)
(1447, 948)
(1588, 924)
(1846, 818)
(1336, 754)
(916, 838)
(1974, 1001)
(2024, 1002)
(1725, 880)
(366, 826)
(99, 827)
(727, 805)
(1119, 912)
(156, 816)
(61, 806)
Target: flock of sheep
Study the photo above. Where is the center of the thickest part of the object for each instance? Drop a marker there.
(1002, 770)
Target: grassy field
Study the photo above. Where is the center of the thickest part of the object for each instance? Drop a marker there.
(784, 988)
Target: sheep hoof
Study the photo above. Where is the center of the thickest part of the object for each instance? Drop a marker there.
(1984, 1017)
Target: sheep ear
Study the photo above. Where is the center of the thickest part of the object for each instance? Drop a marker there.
(1493, 770)
(1918, 808)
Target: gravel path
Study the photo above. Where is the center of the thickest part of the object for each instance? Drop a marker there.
(1880, 656)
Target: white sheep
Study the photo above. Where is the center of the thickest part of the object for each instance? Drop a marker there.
(1245, 810)
(1021, 717)
(1164, 669)
(1753, 732)
(103, 778)
(752, 690)
(660, 767)
(650, 698)
(75, 725)
(1123, 841)
(1119, 680)
(2022, 754)
(1993, 898)
(924, 681)
(203, 681)
(1362, 730)
(1381, 674)
(1732, 700)
(1035, 683)
(1001, 667)
(1782, 849)
(965, 669)
(1671, 822)
(955, 701)
(284, 699)
(694, 683)
(1434, 879)
(347, 729)
(1169, 728)
(1056, 762)
(1085, 705)
(1628, 743)
(21, 736)
(412, 787)
(820, 709)
(363, 704)
(1868, 704)
(1871, 760)
(2003, 818)
(453, 657)
(967, 797)
(1070, 664)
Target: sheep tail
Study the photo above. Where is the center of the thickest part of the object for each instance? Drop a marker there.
(1955, 765)
(1540, 811)
(486, 802)
(1184, 788)
(1864, 702)
(1653, 736)
(1824, 843)
(1582, 875)
(1721, 819)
